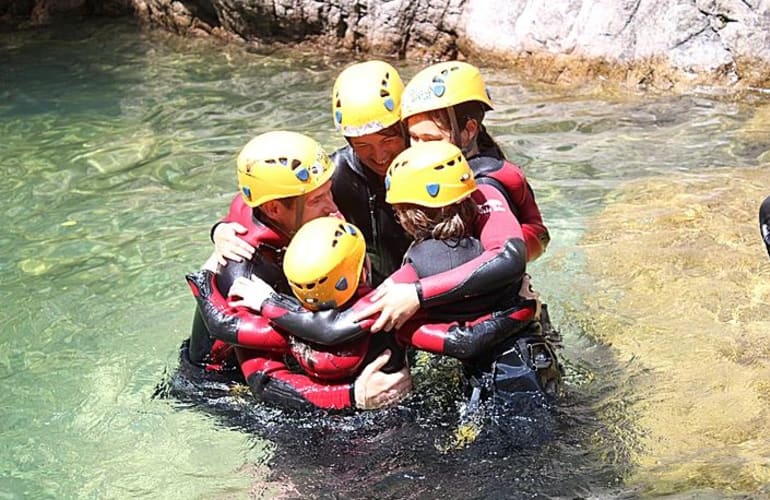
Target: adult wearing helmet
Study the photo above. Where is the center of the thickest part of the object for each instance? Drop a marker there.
(447, 101)
(284, 180)
(366, 106)
(436, 200)
(366, 109)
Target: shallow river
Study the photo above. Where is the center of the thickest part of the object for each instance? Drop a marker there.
(117, 154)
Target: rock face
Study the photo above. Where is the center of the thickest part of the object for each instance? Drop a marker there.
(651, 41)
(658, 43)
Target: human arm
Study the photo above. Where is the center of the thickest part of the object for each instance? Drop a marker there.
(527, 211)
(271, 380)
(237, 326)
(469, 339)
(327, 327)
(228, 234)
(502, 262)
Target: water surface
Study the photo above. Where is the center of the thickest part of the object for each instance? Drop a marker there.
(117, 154)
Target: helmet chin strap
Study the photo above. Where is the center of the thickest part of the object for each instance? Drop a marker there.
(456, 134)
(299, 214)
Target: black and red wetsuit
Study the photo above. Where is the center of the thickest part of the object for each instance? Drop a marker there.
(489, 167)
(360, 195)
(764, 222)
(259, 348)
(460, 285)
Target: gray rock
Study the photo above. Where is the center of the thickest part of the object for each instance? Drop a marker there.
(660, 43)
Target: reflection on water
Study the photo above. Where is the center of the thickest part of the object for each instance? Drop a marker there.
(116, 161)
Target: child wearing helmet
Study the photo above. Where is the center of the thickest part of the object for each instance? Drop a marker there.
(284, 181)
(447, 101)
(436, 199)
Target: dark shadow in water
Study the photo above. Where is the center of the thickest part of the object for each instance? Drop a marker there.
(520, 447)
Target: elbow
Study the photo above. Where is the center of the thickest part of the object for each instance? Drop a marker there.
(514, 259)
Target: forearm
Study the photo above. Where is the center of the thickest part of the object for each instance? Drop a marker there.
(489, 271)
(271, 381)
(330, 327)
(536, 237)
(467, 340)
(235, 326)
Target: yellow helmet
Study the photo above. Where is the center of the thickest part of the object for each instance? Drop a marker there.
(443, 85)
(366, 98)
(323, 262)
(430, 174)
(281, 164)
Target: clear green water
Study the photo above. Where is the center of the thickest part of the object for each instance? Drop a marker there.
(117, 153)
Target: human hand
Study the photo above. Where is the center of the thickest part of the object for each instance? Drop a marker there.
(228, 245)
(251, 293)
(395, 303)
(526, 292)
(374, 388)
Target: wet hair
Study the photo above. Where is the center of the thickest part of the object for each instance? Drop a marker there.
(454, 221)
(469, 110)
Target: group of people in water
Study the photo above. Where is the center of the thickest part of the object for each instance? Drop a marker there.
(328, 271)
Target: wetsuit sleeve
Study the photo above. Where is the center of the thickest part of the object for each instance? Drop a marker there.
(238, 326)
(535, 232)
(764, 222)
(329, 327)
(502, 262)
(466, 340)
(271, 380)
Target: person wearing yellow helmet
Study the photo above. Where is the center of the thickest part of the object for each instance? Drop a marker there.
(325, 267)
(436, 200)
(284, 179)
(447, 101)
(366, 110)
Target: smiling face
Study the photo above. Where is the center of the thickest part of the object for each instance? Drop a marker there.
(377, 150)
(291, 213)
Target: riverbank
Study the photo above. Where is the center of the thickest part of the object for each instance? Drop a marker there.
(650, 45)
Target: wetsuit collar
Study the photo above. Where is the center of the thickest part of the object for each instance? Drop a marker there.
(272, 236)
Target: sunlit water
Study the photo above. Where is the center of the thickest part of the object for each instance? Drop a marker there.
(117, 153)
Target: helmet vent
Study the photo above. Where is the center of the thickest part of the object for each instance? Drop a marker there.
(342, 284)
